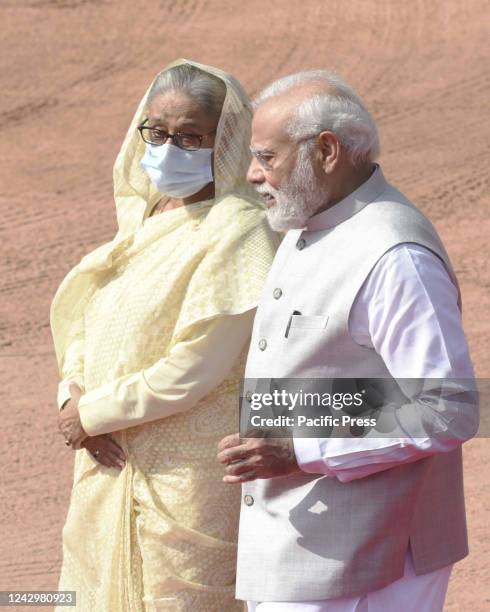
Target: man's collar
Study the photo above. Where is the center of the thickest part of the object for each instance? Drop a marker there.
(350, 205)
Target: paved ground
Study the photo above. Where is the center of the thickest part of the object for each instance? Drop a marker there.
(72, 72)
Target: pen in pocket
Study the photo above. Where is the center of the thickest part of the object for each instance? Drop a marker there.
(295, 312)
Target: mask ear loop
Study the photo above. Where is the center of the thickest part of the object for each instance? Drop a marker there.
(158, 200)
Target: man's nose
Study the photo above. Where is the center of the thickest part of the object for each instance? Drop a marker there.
(255, 173)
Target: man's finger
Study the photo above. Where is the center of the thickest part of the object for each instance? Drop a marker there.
(240, 467)
(229, 441)
(228, 455)
(246, 477)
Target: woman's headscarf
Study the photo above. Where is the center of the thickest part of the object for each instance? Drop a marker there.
(134, 193)
(135, 196)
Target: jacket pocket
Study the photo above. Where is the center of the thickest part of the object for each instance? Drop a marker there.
(308, 321)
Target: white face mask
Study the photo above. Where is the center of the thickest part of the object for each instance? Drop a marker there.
(176, 172)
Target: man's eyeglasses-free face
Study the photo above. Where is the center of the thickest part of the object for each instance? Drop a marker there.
(157, 137)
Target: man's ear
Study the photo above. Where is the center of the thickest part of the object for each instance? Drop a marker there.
(329, 150)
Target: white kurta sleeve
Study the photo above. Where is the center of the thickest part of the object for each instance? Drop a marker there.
(173, 384)
(407, 310)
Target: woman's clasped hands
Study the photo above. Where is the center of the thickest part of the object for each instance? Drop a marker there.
(101, 447)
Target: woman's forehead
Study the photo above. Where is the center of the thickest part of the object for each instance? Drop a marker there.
(177, 106)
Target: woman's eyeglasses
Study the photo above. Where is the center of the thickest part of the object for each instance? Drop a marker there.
(156, 137)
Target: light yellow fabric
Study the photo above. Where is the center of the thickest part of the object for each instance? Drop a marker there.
(164, 528)
(174, 384)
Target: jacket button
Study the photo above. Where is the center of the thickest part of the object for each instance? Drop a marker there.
(262, 344)
(277, 293)
(249, 500)
(300, 245)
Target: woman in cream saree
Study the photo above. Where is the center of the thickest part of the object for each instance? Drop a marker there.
(153, 328)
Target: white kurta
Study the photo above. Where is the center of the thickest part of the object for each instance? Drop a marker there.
(407, 310)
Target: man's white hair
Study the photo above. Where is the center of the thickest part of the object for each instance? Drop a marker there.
(339, 110)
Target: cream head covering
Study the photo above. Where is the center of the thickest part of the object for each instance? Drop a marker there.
(135, 196)
(134, 193)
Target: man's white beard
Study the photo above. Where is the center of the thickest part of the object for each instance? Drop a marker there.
(298, 199)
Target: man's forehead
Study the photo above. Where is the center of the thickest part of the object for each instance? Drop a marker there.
(269, 125)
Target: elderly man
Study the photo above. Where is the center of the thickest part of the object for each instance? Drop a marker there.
(361, 286)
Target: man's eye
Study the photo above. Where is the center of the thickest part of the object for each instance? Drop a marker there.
(265, 160)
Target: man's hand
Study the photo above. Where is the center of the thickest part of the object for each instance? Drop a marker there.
(104, 450)
(69, 422)
(250, 458)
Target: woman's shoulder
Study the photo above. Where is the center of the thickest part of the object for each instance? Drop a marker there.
(239, 219)
(237, 208)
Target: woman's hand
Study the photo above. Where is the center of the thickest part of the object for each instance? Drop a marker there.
(105, 450)
(69, 422)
